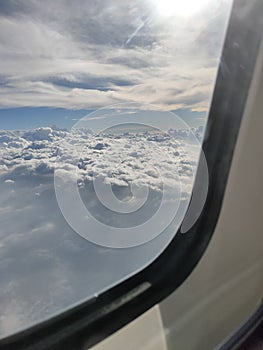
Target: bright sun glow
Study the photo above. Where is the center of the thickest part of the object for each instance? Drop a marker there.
(184, 8)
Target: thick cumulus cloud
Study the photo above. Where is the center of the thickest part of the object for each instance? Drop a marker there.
(45, 266)
(91, 54)
(85, 55)
(118, 158)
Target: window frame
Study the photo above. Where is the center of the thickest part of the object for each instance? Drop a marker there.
(89, 323)
(241, 336)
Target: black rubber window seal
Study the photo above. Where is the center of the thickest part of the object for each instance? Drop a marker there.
(245, 332)
(89, 323)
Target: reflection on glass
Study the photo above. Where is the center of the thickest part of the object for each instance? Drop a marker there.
(86, 91)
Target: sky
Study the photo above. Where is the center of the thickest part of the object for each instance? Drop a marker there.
(53, 257)
(112, 62)
(22, 118)
(60, 60)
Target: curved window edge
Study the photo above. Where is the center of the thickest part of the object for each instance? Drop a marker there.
(94, 320)
(242, 334)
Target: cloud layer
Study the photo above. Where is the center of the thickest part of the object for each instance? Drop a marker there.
(93, 54)
(45, 266)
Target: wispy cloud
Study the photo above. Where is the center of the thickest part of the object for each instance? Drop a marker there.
(90, 55)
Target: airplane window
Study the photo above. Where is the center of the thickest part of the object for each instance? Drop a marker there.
(103, 107)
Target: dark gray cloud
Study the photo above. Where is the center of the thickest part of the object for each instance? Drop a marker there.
(14, 8)
(131, 62)
(91, 83)
(195, 98)
(92, 22)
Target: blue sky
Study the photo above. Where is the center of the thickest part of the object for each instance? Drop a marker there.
(30, 117)
(61, 61)
(33, 117)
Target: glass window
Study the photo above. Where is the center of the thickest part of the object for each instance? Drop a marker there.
(103, 109)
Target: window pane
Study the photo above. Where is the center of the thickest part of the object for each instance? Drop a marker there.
(103, 108)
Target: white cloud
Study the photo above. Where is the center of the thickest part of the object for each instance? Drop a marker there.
(9, 181)
(118, 159)
(82, 57)
(45, 266)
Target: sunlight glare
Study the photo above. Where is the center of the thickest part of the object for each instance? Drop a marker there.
(184, 8)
